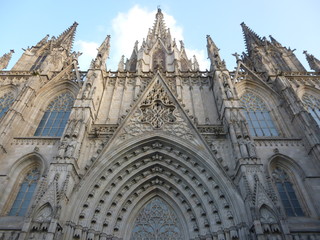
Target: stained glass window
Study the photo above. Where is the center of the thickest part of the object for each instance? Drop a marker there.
(287, 194)
(258, 116)
(56, 116)
(157, 220)
(23, 199)
(313, 105)
(5, 102)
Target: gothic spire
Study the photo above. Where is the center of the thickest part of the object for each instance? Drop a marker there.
(213, 55)
(4, 60)
(314, 63)
(251, 38)
(65, 39)
(274, 41)
(159, 27)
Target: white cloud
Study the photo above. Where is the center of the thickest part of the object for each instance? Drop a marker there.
(129, 27)
(89, 52)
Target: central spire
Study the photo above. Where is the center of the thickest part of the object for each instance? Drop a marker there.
(159, 31)
(159, 52)
(159, 27)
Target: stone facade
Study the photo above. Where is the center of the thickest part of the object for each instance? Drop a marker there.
(159, 149)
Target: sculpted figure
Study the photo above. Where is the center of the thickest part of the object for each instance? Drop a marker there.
(243, 148)
(71, 147)
(251, 148)
(63, 146)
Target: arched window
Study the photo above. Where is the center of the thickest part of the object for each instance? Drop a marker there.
(157, 220)
(287, 194)
(5, 102)
(258, 116)
(313, 105)
(26, 191)
(56, 116)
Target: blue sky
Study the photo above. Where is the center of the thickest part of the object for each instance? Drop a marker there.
(294, 23)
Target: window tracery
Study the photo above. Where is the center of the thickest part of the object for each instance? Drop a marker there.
(56, 116)
(287, 194)
(157, 221)
(258, 116)
(5, 102)
(25, 194)
(313, 105)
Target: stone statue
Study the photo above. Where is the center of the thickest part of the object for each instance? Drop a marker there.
(243, 148)
(250, 147)
(71, 147)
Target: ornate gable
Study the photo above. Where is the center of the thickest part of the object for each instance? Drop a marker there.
(157, 111)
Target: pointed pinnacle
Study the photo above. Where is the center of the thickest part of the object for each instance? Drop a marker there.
(213, 50)
(195, 63)
(251, 38)
(103, 54)
(213, 54)
(121, 65)
(43, 41)
(5, 59)
(66, 39)
(274, 41)
(210, 43)
(105, 46)
(314, 63)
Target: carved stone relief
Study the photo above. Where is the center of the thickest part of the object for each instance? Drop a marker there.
(157, 112)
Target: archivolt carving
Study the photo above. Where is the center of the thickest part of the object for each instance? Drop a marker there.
(156, 166)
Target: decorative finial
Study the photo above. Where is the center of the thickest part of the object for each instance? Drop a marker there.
(237, 56)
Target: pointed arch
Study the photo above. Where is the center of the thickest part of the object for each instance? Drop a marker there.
(7, 96)
(269, 220)
(6, 101)
(273, 214)
(56, 116)
(23, 178)
(25, 193)
(312, 104)
(44, 97)
(258, 116)
(44, 213)
(287, 177)
(119, 178)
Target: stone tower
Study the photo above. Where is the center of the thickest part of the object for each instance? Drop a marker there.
(159, 149)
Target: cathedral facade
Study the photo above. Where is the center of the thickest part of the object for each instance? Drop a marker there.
(159, 149)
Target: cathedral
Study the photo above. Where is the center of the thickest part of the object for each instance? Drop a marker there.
(159, 149)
